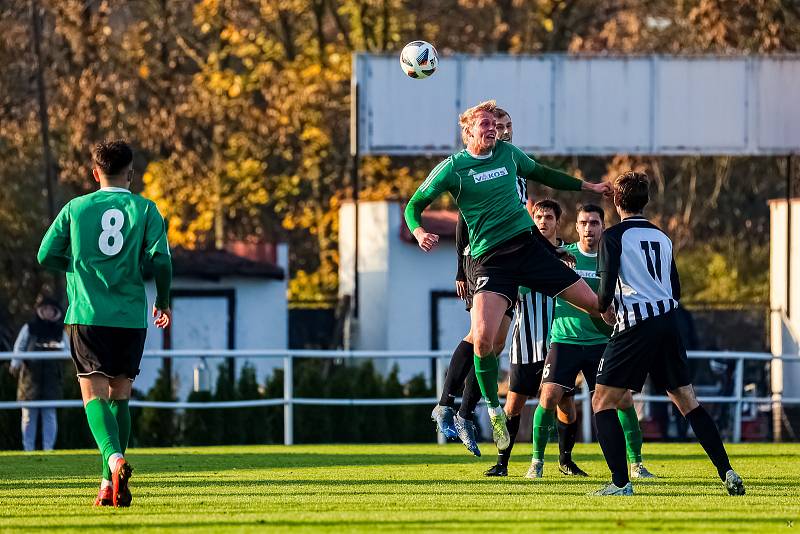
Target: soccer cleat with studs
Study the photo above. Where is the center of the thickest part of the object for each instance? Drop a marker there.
(638, 470)
(734, 483)
(104, 497)
(120, 477)
(497, 470)
(497, 418)
(535, 470)
(613, 489)
(570, 469)
(466, 432)
(444, 417)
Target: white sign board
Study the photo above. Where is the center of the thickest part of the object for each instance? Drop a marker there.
(561, 105)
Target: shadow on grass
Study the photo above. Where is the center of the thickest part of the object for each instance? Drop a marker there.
(590, 524)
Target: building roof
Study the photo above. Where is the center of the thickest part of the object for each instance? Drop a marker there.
(440, 222)
(215, 264)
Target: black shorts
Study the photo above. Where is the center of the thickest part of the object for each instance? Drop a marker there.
(469, 272)
(521, 261)
(651, 347)
(525, 378)
(107, 350)
(565, 360)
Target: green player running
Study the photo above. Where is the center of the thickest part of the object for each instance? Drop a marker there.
(103, 241)
(483, 181)
(577, 342)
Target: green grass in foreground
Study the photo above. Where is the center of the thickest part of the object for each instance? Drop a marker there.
(363, 488)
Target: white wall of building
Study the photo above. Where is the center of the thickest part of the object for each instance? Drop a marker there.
(396, 279)
(785, 320)
(261, 322)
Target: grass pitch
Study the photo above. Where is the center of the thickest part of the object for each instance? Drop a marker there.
(408, 488)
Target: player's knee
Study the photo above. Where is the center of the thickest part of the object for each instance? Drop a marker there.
(550, 396)
(484, 345)
(626, 401)
(604, 399)
(566, 410)
(684, 398)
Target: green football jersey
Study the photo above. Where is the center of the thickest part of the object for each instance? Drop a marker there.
(571, 325)
(485, 189)
(102, 241)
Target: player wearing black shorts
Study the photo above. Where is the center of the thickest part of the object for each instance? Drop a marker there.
(577, 343)
(638, 293)
(482, 179)
(101, 240)
(460, 373)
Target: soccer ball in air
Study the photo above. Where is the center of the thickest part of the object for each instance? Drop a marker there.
(419, 59)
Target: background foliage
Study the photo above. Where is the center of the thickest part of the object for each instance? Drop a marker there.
(239, 112)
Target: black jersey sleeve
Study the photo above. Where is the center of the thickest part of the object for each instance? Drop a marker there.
(608, 260)
(676, 281)
(462, 240)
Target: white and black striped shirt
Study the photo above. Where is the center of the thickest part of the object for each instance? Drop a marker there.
(533, 318)
(637, 272)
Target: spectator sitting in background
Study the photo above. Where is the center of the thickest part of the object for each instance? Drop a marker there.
(40, 379)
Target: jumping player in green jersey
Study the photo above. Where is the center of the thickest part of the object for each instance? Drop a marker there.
(482, 179)
(577, 342)
(103, 241)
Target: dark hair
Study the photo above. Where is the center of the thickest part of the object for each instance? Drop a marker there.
(593, 208)
(500, 112)
(632, 191)
(548, 204)
(112, 157)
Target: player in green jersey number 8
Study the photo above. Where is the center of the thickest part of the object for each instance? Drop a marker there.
(483, 181)
(102, 241)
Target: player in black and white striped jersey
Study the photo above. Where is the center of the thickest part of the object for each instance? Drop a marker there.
(530, 341)
(638, 273)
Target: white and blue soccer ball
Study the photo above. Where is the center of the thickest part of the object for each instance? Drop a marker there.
(419, 59)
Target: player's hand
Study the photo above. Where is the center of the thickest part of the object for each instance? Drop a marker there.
(163, 317)
(603, 188)
(610, 316)
(461, 289)
(425, 240)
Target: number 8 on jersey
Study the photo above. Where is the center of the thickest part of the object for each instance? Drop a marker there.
(111, 240)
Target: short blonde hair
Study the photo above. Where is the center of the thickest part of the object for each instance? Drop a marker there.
(466, 118)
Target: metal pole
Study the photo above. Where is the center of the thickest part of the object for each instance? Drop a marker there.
(586, 418)
(288, 396)
(737, 415)
(440, 370)
(354, 175)
(44, 121)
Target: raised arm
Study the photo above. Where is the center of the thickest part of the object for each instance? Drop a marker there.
(438, 181)
(533, 170)
(54, 252)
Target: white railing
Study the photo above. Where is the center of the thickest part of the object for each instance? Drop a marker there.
(289, 401)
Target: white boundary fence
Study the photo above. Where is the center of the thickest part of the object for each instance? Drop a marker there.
(289, 401)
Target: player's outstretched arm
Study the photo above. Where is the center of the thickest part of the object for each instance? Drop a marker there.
(438, 181)
(54, 252)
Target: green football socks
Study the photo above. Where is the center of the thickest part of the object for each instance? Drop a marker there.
(104, 428)
(543, 420)
(633, 433)
(486, 371)
(121, 412)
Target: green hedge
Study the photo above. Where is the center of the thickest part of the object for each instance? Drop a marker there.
(319, 378)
